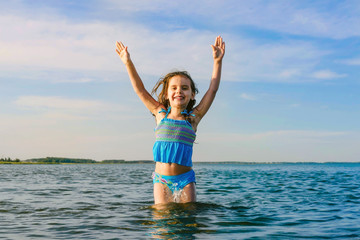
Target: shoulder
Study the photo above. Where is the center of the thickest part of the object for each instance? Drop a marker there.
(159, 113)
(198, 114)
(195, 120)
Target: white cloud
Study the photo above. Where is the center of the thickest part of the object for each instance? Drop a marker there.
(278, 146)
(327, 74)
(288, 134)
(289, 73)
(248, 97)
(353, 61)
(293, 17)
(57, 133)
(300, 134)
(57, 43)
(56, 108)
(58, 103)
(287, 62)
(142, 5)
(76, 80)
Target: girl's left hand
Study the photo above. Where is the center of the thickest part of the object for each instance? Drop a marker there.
(218, 49)
(122, 52)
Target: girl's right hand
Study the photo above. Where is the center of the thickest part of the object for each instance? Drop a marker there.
(218, 49)
(122, 52)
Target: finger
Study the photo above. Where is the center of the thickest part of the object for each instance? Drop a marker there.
(122, 45)
(118, 52)
(118, 46)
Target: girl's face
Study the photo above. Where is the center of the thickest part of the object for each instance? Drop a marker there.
(179, 91)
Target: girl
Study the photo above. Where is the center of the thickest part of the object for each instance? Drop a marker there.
(177, 122)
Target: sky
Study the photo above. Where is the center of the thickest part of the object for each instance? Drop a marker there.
(289, 88)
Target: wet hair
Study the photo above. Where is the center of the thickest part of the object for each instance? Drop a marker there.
(164, 83)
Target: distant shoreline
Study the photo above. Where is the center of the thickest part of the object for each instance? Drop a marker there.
(46, 163)
(195, 163)
(62, 160)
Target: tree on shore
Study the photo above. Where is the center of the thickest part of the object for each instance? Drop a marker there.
(57, 160)
(9, 160)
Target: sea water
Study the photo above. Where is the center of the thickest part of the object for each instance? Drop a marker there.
(235, 201)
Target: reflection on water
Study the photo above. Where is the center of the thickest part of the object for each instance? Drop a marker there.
(174, 220)
(177, 220)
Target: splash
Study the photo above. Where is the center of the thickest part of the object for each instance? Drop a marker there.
(177, 195)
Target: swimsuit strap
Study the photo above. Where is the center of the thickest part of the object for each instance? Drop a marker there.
(164, 111)
(185, 112)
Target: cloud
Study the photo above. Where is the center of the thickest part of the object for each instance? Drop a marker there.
(327, 74)
(299, 134)
(55, 107)
(289, 73)
(59, 43)
(76, 80)
(56, 43)
(305, 18)
(290, 61)
(279, 146)
(73, 134)
(286, 134)
(248, 97)
(353, 61)
(57, 103)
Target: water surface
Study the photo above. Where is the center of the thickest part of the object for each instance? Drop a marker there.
(235, 201)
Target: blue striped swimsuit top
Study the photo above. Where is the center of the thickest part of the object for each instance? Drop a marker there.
(174, 141)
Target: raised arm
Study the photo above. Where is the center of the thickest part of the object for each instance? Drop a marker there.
(205, 103)
(135, 79)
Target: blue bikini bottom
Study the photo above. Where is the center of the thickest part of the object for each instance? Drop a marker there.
(175, 183)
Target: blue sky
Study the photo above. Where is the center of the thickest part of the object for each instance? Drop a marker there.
(289, 90)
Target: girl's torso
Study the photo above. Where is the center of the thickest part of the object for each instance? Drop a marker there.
(173, 147)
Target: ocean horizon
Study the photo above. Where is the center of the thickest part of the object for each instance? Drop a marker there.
(143, 161)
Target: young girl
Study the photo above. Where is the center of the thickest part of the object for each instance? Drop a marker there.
(177, 121)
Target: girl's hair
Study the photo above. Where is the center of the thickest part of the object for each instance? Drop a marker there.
(164, 82)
